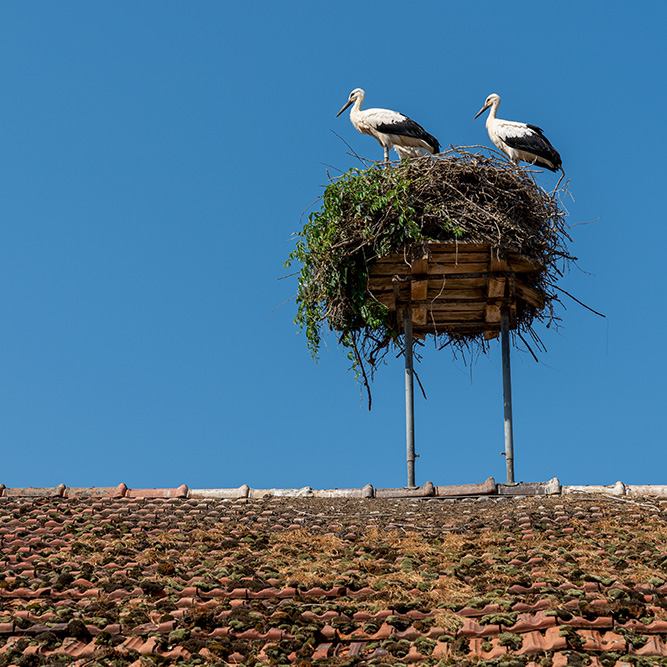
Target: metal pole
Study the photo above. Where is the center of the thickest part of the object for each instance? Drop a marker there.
(507, 393)
(409, 397)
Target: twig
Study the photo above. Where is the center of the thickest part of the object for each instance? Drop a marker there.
(530, 349)
(308, 207)
(352, 151)
(562, 176)
(588, 222)
(419, 382)
(280, 305)
(581, 303)
(330, 166)
(363, 372)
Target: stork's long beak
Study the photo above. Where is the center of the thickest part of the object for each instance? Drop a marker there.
(482, 110)
(347, 104)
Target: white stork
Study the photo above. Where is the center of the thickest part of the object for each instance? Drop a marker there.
(519, 141)
(390, 128)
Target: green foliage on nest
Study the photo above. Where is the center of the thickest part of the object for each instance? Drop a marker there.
(333, 279)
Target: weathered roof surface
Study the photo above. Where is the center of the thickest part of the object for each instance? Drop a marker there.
(572, 579)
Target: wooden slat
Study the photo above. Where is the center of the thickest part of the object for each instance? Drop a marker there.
(445, 255)
(521, 264)
(496, 288)
(456, 258)
(530, 295)
(436, 295)
(458, 282)
(448, 253)
(419, 316)
(498, 264)
(386, 299)
(457, 307)
(433, 298)
(419, 266)
(400, 269)
(440, 311)
(471, 326)
(419, 289)
(434, 246)
(513, 262)
(458, 327)
(461, 267)
(446, 283)
(420, 262)
(492, 313)
(390, 269)
(393, 259)
(470, 293)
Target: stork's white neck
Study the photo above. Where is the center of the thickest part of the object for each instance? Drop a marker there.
(491, 118)
(356, 107)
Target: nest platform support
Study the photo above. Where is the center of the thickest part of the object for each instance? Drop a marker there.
(409, 397)
(457, 289)
(507, 394)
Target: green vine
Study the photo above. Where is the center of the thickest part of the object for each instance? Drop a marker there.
(365, 214)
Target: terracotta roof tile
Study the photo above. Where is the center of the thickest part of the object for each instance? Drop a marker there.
(654, 646)
(536, 642)
(487, 650)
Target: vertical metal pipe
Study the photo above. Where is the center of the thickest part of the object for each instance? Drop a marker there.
(409, 397)
(507, 394)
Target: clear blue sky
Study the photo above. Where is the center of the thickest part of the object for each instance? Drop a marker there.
(155, 159)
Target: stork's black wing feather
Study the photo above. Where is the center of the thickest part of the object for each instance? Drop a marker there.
(531, 139)
(408, 128)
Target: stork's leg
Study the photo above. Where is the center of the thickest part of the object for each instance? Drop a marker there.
(386, 156)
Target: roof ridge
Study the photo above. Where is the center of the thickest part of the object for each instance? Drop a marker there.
(487, 488)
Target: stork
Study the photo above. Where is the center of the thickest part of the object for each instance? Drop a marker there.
(390, 128)
(519, 141)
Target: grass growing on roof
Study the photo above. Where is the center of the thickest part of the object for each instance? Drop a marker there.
(367, 214)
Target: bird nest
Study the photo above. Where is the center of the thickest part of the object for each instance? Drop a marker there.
(369, 214)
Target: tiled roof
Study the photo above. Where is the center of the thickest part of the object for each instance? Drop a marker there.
(128, 579)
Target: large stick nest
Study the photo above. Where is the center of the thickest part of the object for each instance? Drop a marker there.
(366, 214)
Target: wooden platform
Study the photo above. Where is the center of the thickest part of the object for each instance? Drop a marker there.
(456, 288)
